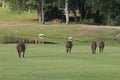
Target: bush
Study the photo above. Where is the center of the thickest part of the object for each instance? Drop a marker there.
(52, 12)
(0, 4)
(88, 21)
(116, 21)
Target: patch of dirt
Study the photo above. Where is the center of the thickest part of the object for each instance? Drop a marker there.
(33, 25)
(96, 26)
(14, 24)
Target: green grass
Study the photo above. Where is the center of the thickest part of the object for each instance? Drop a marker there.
(50, 62)
(59, 33)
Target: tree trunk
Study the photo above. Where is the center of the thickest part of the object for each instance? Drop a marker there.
(108, 20)
(42, 16)
(75, 15)
(42, 13)
(29, 10)
(82, 12)
(4, 4)
(108, 17)
(66, 12)
(39, 15)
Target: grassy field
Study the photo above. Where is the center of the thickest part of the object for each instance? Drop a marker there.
(50, 62)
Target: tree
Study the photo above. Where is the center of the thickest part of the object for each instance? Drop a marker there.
(39, 5)
(73, 9)
(109, 9)
(42, 13)
(106, 11)
(67, 11)
(24, 5)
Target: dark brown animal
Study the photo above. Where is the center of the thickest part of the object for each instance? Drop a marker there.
(69, 46)
(93, 47)
(21, 49)
(101, 46)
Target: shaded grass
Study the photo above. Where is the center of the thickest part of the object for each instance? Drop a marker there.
(50, 62)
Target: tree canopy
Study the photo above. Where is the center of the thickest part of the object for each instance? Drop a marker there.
(90, 11)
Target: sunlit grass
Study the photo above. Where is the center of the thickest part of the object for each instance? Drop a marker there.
(50, 62)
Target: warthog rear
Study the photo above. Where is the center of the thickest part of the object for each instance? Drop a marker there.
(93, 47)
(21, 49)
(68, 46)
(101, 46)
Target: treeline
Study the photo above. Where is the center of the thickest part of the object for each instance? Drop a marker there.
(106, 12)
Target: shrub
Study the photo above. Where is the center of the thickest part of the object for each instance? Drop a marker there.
(52, 12)
(88, 21)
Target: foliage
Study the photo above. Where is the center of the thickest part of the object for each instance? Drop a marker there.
(108, 9)
(52, 12)
(88, 21)
(102, 11)
(17, 5)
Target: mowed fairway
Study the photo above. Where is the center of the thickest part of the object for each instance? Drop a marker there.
(50, 62)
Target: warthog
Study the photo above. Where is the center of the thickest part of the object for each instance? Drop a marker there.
(21, 49)
(41, 37)
(69, 46)
(93, 47)
(101, 46)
